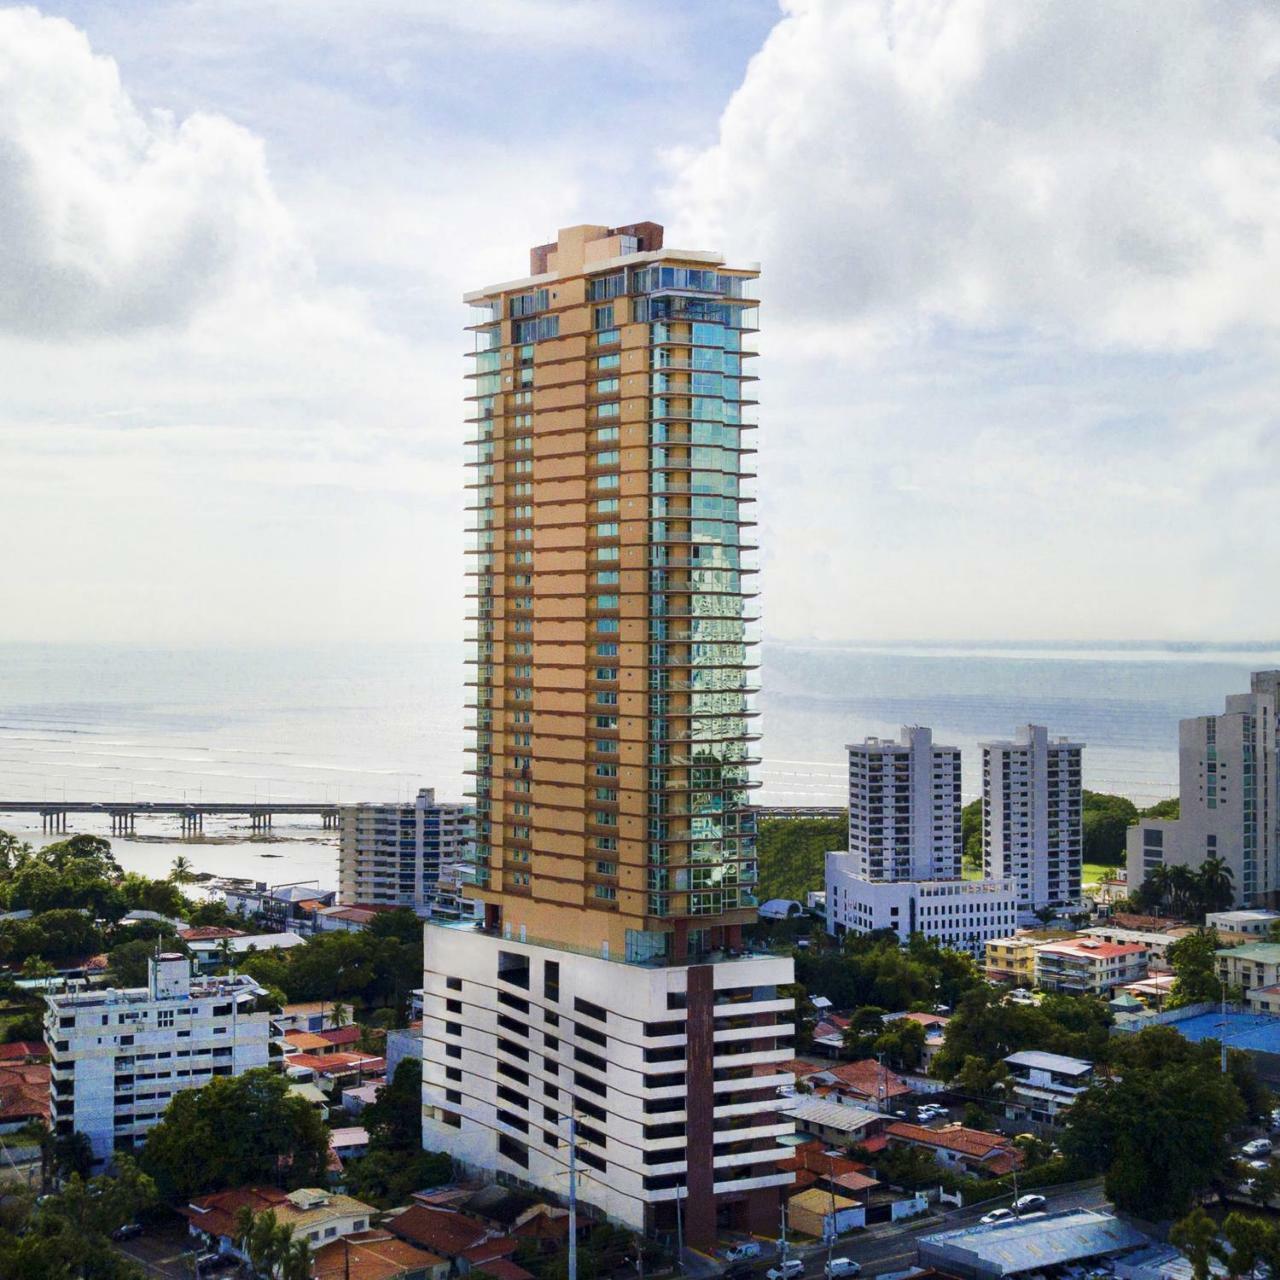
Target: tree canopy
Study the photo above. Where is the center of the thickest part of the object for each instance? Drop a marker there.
(236, 1131)
(1159, 1132)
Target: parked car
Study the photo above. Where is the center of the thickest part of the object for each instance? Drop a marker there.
(1275, 1118)
(930, 1111)
(1258, 1147)
(998, 1215)
(1259, 1164)
(128, 1231)
(1029, 1204)
(743, 1250)
(787, 1270)
(841, 1267)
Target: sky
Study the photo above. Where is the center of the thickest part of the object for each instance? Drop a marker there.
(1021, 294)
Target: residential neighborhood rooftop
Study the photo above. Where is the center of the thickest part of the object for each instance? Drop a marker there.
(1037, 1060)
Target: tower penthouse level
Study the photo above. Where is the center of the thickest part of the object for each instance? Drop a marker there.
(611, 664)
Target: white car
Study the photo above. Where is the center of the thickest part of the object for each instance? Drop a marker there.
(1259, 1164)
(787, 1270)
(1258, 1147)
(839, 1267)
(998, 1215)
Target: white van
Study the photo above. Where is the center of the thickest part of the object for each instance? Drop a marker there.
(838, 1267)
(739, 1252)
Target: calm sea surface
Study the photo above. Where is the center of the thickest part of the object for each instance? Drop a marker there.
(340, 724)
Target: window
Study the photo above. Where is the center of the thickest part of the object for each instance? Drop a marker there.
(606, 892)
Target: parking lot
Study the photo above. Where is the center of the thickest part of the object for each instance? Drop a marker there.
(161, 1252)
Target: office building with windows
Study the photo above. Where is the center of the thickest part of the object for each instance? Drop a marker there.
(1229, 798)
(404, 855)
(614, 858)
(902, 870)
(119, 1056)
(1032, 823)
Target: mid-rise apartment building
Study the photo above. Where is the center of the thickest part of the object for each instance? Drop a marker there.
(904, 808)
(1032, 817)
(119, 1056)
(1229, 792)
(614, 860)
(405, 855)
(1089, 966)
(902, 868)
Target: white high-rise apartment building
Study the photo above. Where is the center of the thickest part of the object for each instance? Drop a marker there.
(903, 866)
(1229, 797)
(904, 808)
(119, 1056)
(404, 855)
(1032, 825)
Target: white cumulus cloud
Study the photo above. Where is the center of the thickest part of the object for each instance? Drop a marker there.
(1103, 168)
(112, 220)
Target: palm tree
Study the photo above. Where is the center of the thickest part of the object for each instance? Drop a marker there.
(244, 1228)
(226, 952)
(1158, 882)
(296, 1264)
(340, 1015)
(181, 870)
(1217, 887)
(1182, 889)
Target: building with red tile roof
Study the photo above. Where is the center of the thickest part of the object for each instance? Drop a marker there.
(866, 1083)
(341, 1035)
(442, 1231)
(314, 1214)
(24, 1093)
(955, 1147)
(375, 1255)
(24, 1051)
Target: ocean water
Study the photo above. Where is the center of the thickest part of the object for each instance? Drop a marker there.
(346, 723)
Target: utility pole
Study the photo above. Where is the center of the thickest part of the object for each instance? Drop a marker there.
(782, 1239)
(573, 1196)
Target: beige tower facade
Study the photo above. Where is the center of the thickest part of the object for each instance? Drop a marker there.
(612, 545)
(603, 1003)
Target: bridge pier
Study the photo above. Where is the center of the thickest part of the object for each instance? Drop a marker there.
(329, 820)
(192, 822)
(260, 822)
(123, 823)
(53, 821)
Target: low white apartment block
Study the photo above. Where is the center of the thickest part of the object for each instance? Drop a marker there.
(964, 914)
(405, 855)
(119, 1056)
(1032, 818)
(672, 1074)
(1043, 1086)
(905, 807)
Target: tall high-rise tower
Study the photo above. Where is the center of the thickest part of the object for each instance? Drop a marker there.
(615, 852)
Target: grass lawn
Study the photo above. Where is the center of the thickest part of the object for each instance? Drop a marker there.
(1092, 872)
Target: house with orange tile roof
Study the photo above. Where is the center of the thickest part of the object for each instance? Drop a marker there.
(442, 1231)
(376, 1255)
(866, 1083)
(24, 1051)
(973, 1151)
(315, 1215)
(24, 1094)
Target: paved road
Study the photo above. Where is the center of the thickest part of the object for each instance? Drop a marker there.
(893, 1248)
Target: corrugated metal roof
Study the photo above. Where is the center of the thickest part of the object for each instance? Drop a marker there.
(1028, 1244)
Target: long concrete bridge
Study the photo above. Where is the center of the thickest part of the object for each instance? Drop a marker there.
(124, 814)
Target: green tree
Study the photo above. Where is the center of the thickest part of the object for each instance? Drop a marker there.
(1159, 1135)
(182, 871)
(236, 1131)
(901, 1043)
(128, 962)
(792, 853)
(971, 832)
(1105, 820)
(1195, 1235)
(1194, 963)
(1216, 887)
(396, 1165)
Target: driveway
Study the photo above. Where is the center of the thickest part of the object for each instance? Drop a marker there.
(160, 1253)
